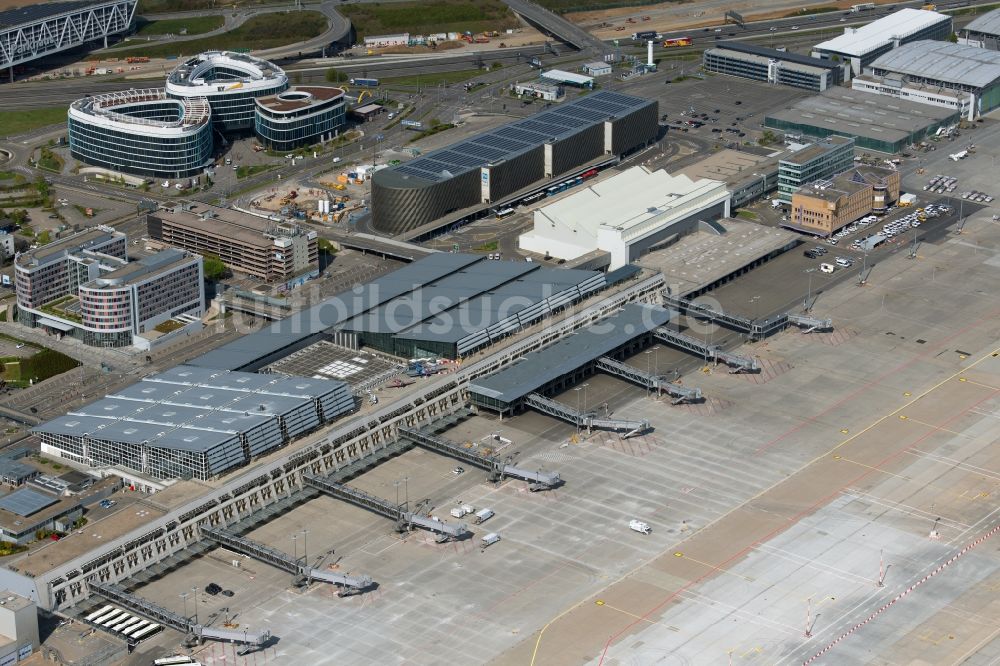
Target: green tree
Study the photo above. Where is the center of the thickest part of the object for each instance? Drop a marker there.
(42, 187)
(326, 246)
(953, 38)
(333, 76)
(44, 237)
(214, 268)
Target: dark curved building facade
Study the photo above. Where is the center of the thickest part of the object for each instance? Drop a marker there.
(485, 169)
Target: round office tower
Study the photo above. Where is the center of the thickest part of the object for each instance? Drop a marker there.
(231, 82)
(142, 132)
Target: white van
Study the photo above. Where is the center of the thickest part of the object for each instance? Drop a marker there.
(827, 268)
(639, 526)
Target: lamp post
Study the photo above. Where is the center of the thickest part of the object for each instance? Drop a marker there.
(295, 542)
(807, 304)
(305, 547)
(195, 590)
(184, 596)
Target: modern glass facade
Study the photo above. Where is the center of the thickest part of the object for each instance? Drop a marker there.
(299, 117)
(820, 160)
(773, 70)
(142, 133)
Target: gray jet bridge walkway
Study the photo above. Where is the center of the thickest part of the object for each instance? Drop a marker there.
(405, 519)
(498, 469)
(194, 632)
(756, 329)
(297, 566)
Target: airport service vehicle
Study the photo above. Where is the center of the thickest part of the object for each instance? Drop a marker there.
(490, 539)
(462, 511)
(676, 42)
(827, 268)
(483, 515)
(639, 526)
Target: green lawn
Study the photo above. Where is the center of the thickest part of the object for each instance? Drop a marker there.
(429, 17)
(13, 123)
(431, 79)
(265, 31)
(195, 25)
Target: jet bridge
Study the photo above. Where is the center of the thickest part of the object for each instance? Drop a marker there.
(349, 584)
(404, 519)
(809, 323)
(194, 631)
(497, 468)
(635, 375)
(588, 421)
(697, 347)
(757, 329)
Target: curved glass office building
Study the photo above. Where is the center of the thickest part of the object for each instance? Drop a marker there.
(299, 116)
(142, 132)
(231, 82)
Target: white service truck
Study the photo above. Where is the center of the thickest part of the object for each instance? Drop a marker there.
(483, 515)
(462, 511)
(639, 526)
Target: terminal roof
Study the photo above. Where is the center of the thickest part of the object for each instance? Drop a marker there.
(859, 41)
(541, 367)
(988, 23)
(943, 61)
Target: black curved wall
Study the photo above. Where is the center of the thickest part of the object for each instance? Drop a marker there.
(402, 204)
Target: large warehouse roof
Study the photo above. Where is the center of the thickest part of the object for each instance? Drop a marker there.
(867, 38)
(513, 139)
(988, 23)
(855, 113)
(943, 61)
(539, 368)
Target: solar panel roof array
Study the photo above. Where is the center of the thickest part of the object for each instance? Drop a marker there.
(26, 501)
(518, 137)
(32, 13)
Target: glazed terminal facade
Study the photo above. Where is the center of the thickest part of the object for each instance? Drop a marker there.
(498, 163)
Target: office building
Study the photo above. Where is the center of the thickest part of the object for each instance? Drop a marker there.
(278, 252)
(825, 206)
(19, 637)
(84, 287)
(142, 132)
(874, 122)
(300, 116)
(861, 46)
(564, 78)
(758, 63)
(230, 83)
(818, 161)
(596, 68)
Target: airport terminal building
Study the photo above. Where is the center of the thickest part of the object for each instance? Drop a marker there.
(496, 164)
(758, 63)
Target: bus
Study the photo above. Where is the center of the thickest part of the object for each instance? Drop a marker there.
(114, 618)
(552, 191)
(676, 41)
(532, 198)
(504, 212)
(177, 660)
(97, 614)
(122, 626)
(146, 632)
(136, 628)
(114, 611)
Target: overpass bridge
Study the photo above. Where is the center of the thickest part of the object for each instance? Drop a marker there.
(555, 25)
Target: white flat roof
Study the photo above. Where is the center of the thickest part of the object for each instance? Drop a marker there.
(629, 199)
(568, 77)
(867, 38)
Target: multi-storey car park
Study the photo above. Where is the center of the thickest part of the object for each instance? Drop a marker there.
(300, 116)
(231, 82)
(38, 30)
(498, 163)
(142, 132)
